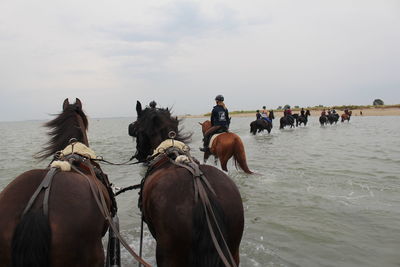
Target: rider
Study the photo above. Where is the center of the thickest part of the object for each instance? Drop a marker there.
(287, 111)
(302, 112)
(258, 115)
(264, 114)
(264, 111)
(219, 121)
(153, 104)
(323, 113)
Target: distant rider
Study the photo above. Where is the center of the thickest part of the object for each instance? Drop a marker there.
(302, 112)
(287, 112)
(264, 114)
(153, 104)
(258, 114)
(219, 121)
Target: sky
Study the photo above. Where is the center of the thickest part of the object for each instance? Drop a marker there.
(181, 54)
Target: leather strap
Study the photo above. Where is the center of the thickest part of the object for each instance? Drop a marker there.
(46, 185)
(101, 203)
(199, 179)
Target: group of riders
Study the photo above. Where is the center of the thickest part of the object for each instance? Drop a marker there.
(220, 119)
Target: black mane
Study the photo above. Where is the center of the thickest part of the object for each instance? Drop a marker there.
(64, 127)
(153, 126)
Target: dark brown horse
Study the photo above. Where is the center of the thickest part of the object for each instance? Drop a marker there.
(261, 124)
(303, 119)
(67, 229)
(346, 115)
(224, 146)
(174, 214)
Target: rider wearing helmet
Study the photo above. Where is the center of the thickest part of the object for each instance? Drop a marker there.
(153, 104)
(219, 121)
(287, 111)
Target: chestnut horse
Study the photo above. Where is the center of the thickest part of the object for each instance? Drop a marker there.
(224, 146)
(346, 116)
(67, 229)
(174, 214)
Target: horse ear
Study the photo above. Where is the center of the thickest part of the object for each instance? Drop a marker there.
(201, 123)
(78, 103)
(65, 104)
(138, 108)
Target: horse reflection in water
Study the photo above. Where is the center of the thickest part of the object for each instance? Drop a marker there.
(67, 229)
(170, 202)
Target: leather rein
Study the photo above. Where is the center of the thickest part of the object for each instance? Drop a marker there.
(200, 184)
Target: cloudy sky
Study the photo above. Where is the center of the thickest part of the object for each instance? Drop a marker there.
(183, 53)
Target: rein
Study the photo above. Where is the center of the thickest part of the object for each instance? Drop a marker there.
(102, 205)
(200, 184)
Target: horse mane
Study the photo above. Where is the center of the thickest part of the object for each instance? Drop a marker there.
(64, 127)
(161, 121)
(156, 124)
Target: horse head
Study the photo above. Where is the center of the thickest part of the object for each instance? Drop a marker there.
(151, 127)
(205, 126)
(271, 114)
(70, 123)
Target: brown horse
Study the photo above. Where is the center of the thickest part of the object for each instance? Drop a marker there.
(67, 229)
(224, 146)
(346, 115)
(170, 202)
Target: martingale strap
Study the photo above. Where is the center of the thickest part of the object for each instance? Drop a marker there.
(199, 181)
(46, 185)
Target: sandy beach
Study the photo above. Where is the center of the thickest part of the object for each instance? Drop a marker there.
(356, 112)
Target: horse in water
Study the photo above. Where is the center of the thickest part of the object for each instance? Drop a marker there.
(323, 120)
(346, 115)
(333, 118)
(288, 121)
(63, 226)
(262, 124)
(194, 211)
(224, 146)
(304, 119)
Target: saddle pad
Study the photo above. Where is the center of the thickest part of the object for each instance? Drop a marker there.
(79, 148)
(170, 143)
(212, 139)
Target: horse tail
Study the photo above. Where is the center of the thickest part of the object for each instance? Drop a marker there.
(31, 241)
(239, 155)
(203, 252)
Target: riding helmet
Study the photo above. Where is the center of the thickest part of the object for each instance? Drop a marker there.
(219, 98)
(153, 104)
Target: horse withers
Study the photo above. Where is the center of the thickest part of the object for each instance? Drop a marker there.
(225, 146)
(170, 198)
(63, 225)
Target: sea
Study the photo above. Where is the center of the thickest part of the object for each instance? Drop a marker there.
(319, 195)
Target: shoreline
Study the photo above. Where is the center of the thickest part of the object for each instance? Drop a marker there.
(317, 112)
